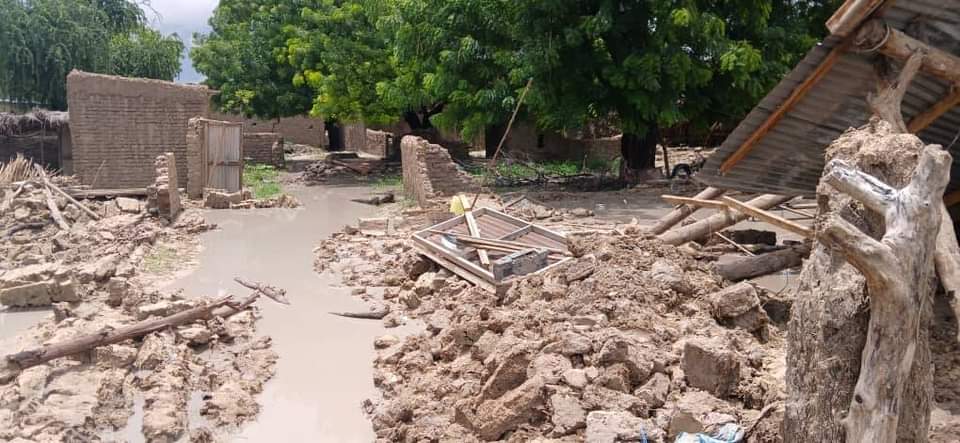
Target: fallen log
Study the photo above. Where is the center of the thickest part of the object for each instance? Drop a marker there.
(720, 220)
(276, 294)
(376, 200)
(221, 307)
(683, 211)
(765, 264)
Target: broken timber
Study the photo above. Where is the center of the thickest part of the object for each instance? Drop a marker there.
(221, 307)
(720, 220)
(451, 245)
(768, 217)
(683, 211)
(765, 264)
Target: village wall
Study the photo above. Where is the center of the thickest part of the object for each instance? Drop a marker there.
(120, 125)
(429, 171)
(301, 130)
(263, 147)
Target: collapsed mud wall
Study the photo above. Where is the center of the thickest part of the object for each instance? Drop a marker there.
(263, 147)
(120, 125)
(429, 171)
(525, 141)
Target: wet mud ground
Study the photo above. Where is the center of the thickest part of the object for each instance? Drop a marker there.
(324, 370)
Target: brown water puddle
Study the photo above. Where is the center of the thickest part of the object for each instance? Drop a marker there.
(325, 366)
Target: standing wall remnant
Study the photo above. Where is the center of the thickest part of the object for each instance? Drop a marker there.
(263, 147)
(198, 148)
(302, 130)
(429, 171)
(120, 125)
(161, 196)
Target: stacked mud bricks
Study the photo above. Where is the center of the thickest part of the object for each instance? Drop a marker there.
(263, 147)
(163, 195)
(429, 172)
(120, 125)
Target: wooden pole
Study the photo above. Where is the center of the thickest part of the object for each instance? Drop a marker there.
(683, 211)
(768, 217)
(720, 220)
(503, 139)
(49, 184)
(879, 36)
(764, 264)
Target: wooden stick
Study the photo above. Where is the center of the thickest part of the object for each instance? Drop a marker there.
(369, 315)
(893, 43)
(22, 226)
(49, 184)
(487, 241)
(496, 154)
(475, 232)
(54, 210)
(768, 217)
(276, 294)
(719, 220)
(221, 307)
(795, 211)
(682, 212)
(735, 244)
(693, 201)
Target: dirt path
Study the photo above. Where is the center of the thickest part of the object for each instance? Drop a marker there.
(325, 370)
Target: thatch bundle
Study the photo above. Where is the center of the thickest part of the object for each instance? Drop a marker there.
(18, 169)
(13, 124)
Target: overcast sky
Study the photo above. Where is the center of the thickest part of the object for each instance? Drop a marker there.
(183, 17)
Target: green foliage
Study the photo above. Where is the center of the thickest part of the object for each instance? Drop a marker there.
(244, 57)
(145, 53)
(388, 182)
(41, 41)
(263, 180)
(461, 64)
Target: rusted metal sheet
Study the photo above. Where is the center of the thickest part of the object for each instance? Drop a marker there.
(789, 158)
(449, 243)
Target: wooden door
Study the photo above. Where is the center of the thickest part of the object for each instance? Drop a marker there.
(224, 156)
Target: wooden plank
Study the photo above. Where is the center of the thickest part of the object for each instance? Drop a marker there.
(513, 235)
(795, 211)
(451, 256)
(475, 231)
(849, 16)
(101, 193)
(926, 118)
(487, 241)
(768, 217)
(465, 274)
(692, 201)
(798, 93)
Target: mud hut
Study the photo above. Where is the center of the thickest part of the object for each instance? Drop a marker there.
(40, 135)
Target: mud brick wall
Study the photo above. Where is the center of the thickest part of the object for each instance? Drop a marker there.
(301, 130)
(429, 172)
(120, 125)
(525, 141)
(259, 148)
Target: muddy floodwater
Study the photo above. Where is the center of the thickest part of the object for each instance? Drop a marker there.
(325, 370)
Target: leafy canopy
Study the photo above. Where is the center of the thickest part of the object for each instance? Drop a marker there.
(463, 63)
(41, 41)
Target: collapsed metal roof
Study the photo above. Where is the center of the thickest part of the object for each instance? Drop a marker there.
(832, 83)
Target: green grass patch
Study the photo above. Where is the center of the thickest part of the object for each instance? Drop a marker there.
(262, 180)
(388, 182)
(549, 168)
(161, 259)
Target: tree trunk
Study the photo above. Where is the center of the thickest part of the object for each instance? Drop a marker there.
(829, 325)
(334, 135)
(828, 333)
(720, 220)
(764, 264)
(639, 155)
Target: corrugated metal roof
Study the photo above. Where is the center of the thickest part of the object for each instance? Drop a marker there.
(789, 159)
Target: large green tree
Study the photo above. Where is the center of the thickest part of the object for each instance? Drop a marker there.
(244, 57)
(41, 41)
(461, 64)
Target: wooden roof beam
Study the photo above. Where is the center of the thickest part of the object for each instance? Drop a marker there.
(876, 35)
(926, 118)
(853, 12)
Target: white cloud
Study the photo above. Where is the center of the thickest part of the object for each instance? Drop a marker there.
(184, 17)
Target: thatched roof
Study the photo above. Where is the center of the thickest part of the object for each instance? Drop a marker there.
(13, 124)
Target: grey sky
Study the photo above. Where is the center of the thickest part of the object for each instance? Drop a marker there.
(183, 17)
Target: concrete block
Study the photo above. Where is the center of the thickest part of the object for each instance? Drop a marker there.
(520, 263)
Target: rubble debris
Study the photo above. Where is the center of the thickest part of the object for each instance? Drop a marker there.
(220, 199)
(561, 354)
(95, 277)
